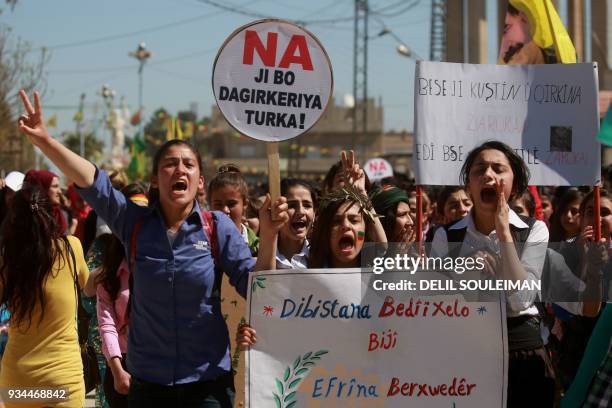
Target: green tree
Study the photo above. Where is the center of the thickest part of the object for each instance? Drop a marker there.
(20, 68)
(93, 147)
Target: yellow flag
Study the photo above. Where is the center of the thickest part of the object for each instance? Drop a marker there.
(177, 129)
(169, 129)
(188, 130)
(52, 121)
(547, 28)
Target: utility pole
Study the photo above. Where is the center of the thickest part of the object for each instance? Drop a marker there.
(437, 51)
(79, 122)
(360, 71)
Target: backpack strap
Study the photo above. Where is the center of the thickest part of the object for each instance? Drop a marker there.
(211, 233)
(132, 264)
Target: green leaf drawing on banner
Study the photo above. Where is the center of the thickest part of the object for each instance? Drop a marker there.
(292, 377)
(258, 282)
(289, 396)
(277, 401)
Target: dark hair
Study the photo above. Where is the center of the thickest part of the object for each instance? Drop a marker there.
(288, 183)
(328, 181)
(133, 189)
(557, 233)
(29, 248)
(320, 250)
(445, 195)
(229, 175)
(528, 201)
(154, 192)
(518, 166)
(603, 193)
(114, 251)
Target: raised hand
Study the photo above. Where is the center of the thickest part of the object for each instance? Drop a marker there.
(272, 219)
(32, 122)
(353, 173)
(502, 213)
(245, 336)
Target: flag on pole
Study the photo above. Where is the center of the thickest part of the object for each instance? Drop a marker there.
(547, 28)
(138, 165)
(534, 34)
(178, 131)
(169, 128)
(188, 130)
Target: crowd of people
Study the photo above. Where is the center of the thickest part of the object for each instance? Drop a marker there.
(145, 261)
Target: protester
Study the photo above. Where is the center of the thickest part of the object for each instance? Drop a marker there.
(79, 211)
(49, 184)
(344, 221)
(575, 331)
(565, 220)
(112, 293)
(493, 174)
(228, 192)
(178, 341)
(392, 204)
(293, 246)
(336, 178)
(523, 205)
(39, 275)
(547, 206)
(453, 204)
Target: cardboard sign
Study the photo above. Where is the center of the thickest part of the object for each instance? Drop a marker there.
(378, 169)
(323, 342)
(272, 80)
(547, 113)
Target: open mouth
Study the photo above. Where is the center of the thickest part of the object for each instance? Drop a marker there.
(299, 225)
(488, 195)
(179, 186)
(346, 244)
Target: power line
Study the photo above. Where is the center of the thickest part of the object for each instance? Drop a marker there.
(396, 13)
(168, 60)
(234, 9)
(133, 33)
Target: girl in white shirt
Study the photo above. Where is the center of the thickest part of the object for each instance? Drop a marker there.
(513, 248)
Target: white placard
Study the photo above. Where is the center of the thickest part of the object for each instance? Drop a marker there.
(272, 80)
(324, 340)
(548, 113)
(378, 169)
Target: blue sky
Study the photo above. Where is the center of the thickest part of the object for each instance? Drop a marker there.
(184, 36)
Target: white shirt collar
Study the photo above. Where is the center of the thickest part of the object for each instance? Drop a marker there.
(468, 221)
(297, 260)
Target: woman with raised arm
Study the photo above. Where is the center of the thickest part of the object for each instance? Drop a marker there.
(178, 341)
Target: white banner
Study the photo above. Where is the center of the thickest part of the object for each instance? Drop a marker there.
(326, 340)
(547, 113)
(272, 80)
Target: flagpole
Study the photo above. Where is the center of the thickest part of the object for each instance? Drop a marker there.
(142, 55)
(78, 127)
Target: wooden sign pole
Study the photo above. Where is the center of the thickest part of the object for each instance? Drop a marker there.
(273, 170)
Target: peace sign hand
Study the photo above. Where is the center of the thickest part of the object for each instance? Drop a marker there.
(32, 122)
(353, 173)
